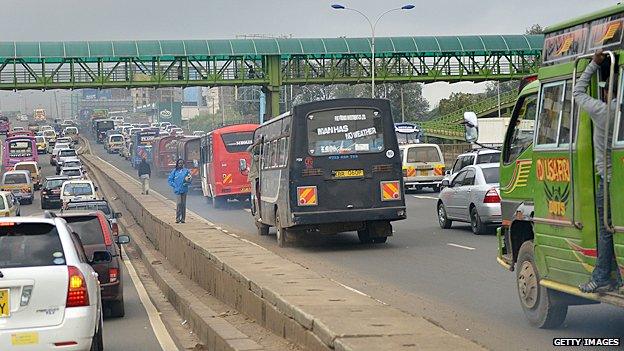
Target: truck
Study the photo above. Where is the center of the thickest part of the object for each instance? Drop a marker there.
(39, 115)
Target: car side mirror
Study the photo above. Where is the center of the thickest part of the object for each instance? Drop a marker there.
(448, 173)
(101, 257)
(471, 126)
(242, 165)
(445, 183)
(117, 215)
(122, 239)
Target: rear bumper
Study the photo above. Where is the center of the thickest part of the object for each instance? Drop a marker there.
(490, 213)
(412, 182)
(111, 291)
(350, 216)
(78, 326)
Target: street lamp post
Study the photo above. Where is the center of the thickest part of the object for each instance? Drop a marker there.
(373, 26)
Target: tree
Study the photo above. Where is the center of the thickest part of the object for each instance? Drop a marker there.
(535, 29)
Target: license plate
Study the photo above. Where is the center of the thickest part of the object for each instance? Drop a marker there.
(424, 173)
(5, 303)
(31, 338)
(349, 173)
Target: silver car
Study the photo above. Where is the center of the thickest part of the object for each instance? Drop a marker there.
(472, 196)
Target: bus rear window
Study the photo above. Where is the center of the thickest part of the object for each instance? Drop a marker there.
(20, 149)
(345, 131)
(237, 142)
(30, 245)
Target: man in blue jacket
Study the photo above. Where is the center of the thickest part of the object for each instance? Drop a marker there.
(179, 179)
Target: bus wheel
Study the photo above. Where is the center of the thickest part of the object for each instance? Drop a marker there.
(535, 299)
(263, 229)
(218, 202)
(281, 233)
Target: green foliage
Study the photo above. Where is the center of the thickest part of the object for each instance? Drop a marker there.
(535, 29)
(208, 122)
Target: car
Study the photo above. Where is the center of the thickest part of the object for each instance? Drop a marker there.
(33, 168)
(9, 206)
(114, 143)
(51, 192)
(69, 162)
(423, 166)
(64, 140)
(82, 189)
(97, 205)
(55, 151)
(50, 136)
(42, 144)
(19, 184)
(65, 154)
(96, 234)
(472, 196)
(476, 157)
(73, 172)
(48, 281)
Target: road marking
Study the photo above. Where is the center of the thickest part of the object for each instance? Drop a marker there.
(425, 197)
(162, 335)
(461, 246)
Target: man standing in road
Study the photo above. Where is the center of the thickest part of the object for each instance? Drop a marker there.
(597, 109)
(179, 180)
(144, 173)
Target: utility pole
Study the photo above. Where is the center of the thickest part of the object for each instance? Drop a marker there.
(402, 105)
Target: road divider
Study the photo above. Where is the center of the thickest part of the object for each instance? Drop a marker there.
(291, 301)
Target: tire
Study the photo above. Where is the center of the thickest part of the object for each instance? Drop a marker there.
(282, 233)
(364, 236)
(97, 344)
(380, 240)
(117, 309)
(44, 205)
(536, 300)
(477, 226)
(263, 229)
(218, 202)
(443, 220)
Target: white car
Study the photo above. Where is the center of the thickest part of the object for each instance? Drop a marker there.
(72, 172)
(55, 150)
(49, 293)
(77, 190)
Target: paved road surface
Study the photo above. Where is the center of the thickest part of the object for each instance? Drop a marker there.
(132, 332)
(449, 276)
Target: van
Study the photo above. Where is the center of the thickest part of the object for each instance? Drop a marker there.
(114, 143)
(19, 184)
(77, 190)
(33, 168)
(9, 206)
(423, 166)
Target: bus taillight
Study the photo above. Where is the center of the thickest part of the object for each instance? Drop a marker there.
(307, 196)
(390, 190)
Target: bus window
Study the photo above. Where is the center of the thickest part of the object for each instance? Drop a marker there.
(522, 135)
(550, 113)
(346, 131)
(20, 149)
(564, 125)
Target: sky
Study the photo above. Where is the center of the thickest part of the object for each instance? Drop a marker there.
(62, 20)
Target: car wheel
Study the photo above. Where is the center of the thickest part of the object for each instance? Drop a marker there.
(477, 226)
(536, 300)
(443, 220)
(117, 309)
(282, 233)
(97, 344)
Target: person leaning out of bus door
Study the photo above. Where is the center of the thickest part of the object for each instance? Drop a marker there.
(253, 176)
(145, 172)
(179, 180)
(597, 109)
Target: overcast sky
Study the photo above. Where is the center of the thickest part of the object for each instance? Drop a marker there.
(57, 20)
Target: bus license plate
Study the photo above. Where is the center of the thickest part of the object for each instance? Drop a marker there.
(349, 173)
(424, 173)
(5, 306)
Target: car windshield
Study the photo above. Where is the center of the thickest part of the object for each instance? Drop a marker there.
(345, 131)
(88, 228)
(77, 189)
(65, 153)
(54, 183)
(15, 178)
(491, 175)
(30, 245)
(423, 154)
(116, 138)
(492, 157)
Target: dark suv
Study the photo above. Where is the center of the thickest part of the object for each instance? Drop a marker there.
(96, 235)
(51, 192)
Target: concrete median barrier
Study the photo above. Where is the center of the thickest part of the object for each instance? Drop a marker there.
(282, 296)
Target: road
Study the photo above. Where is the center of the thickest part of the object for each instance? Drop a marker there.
(133, 331)
(448, 276)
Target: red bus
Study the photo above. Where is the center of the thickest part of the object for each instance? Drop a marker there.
(164, 154)
(188, 150)
(222, 152)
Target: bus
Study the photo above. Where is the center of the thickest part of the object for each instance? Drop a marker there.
(222, 152)
(164, 154)
(408, 133)
(188, 150)
(548, 180)
(5, 126)
(100, 127)
(142, 146)
(328, 167)
(19, 148)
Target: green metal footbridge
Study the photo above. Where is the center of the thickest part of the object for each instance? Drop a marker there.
(270, 63)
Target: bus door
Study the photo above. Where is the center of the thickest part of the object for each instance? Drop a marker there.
(616, 189)
(564, 205)
(206, 171)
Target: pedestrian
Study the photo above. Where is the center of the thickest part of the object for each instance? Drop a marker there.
(597, 109)
(145, 172)
(179, 180)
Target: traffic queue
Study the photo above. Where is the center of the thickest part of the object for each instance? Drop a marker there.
(69, 258)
